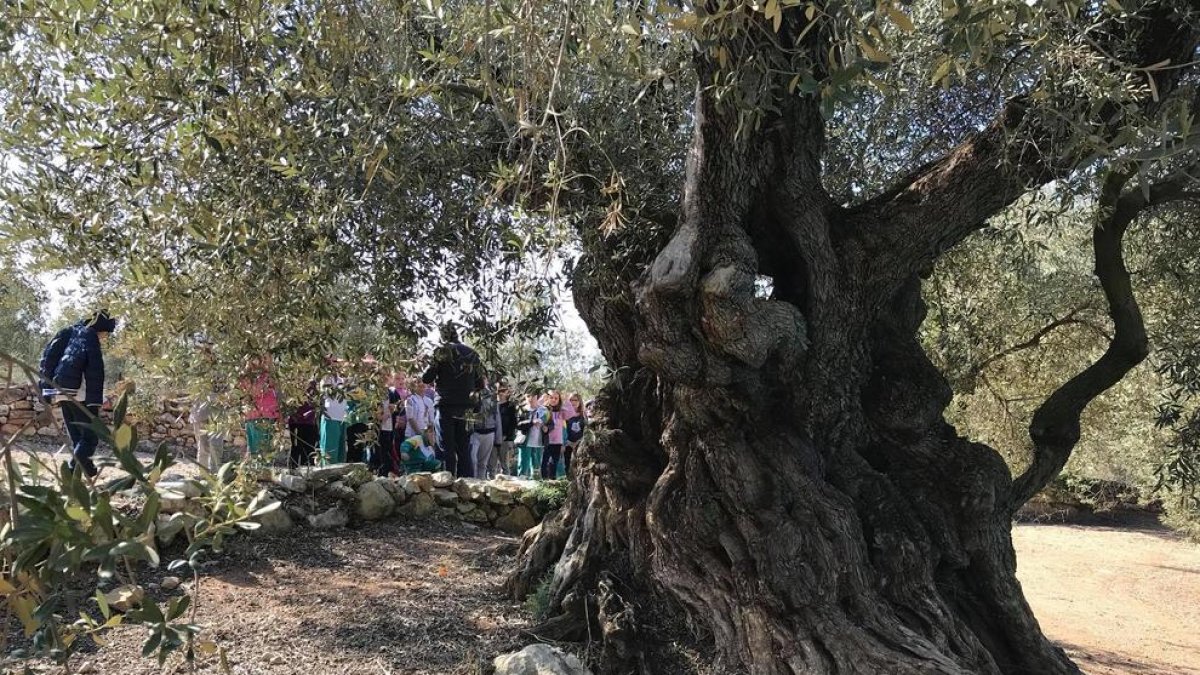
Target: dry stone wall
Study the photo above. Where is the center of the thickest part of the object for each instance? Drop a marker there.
(331, 497)
(22, 411)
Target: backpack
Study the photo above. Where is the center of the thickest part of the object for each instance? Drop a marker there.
(52, 355)
(575, 429)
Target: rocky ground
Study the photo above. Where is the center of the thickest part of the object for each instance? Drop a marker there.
(423, 597)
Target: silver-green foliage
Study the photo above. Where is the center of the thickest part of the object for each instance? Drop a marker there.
(1016, 312)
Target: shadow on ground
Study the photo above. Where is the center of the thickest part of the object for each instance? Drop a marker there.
(1090, 659)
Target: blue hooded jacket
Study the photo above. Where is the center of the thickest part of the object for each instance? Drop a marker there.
(80, 359)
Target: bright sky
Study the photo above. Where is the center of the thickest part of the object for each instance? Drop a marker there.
(63, 287)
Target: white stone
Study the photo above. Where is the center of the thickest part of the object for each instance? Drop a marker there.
(445, 497)
(388, 484)
(476, 516)
(171, 583)
(374, 502)
(468, 489)
(167, 528)
(443, 479)
(518, 482)
(539, 660)
(274, 522)
(501, 493)
(340, 490)
(419, 505)
(189, 506)
(516, 521)
(408, 485)
(188, 489)
(125, 598)
(417, 482)
(293, 483)
(334, 470)
(329, 520)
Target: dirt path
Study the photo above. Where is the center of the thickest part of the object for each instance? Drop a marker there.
(1118, 600)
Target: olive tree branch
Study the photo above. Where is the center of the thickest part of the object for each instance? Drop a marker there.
(1071, 318)
(1055, 428)
(903, 230)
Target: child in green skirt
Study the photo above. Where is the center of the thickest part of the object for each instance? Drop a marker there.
(415, 456)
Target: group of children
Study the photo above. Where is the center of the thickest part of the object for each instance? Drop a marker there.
(401, 432)
(335, 425)
(551, 429)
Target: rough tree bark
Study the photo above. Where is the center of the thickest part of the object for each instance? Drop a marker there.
(780, 467)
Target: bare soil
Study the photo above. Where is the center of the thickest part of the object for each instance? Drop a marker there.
(382, 598)
(1120, 600)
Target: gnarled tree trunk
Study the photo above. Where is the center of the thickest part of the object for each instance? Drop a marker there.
(780, 467)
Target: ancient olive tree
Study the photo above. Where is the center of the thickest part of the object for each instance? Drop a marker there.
(780, 465)
(755, 190)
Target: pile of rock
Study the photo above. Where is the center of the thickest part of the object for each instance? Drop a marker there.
(171, 425)
(328, 497)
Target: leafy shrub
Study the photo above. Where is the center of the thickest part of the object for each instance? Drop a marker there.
(538, 602)
(1090, 493)
(61, 529)
(1183, 517)
(546, 496)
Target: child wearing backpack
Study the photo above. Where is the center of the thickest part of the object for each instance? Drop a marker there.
(416, 456)
(73, 364)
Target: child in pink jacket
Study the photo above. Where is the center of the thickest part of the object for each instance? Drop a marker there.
(560, 412)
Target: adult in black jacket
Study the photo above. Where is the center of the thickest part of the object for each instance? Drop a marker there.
(458, 374)
(74, 359)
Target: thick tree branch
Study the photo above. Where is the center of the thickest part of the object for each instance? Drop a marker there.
(905, 229)
(1055, 428)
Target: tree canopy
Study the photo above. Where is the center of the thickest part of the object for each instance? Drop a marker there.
(367, 162)
(21, 318)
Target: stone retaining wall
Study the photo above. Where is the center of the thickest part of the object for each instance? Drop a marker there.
(329, 497)
(22, 411)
